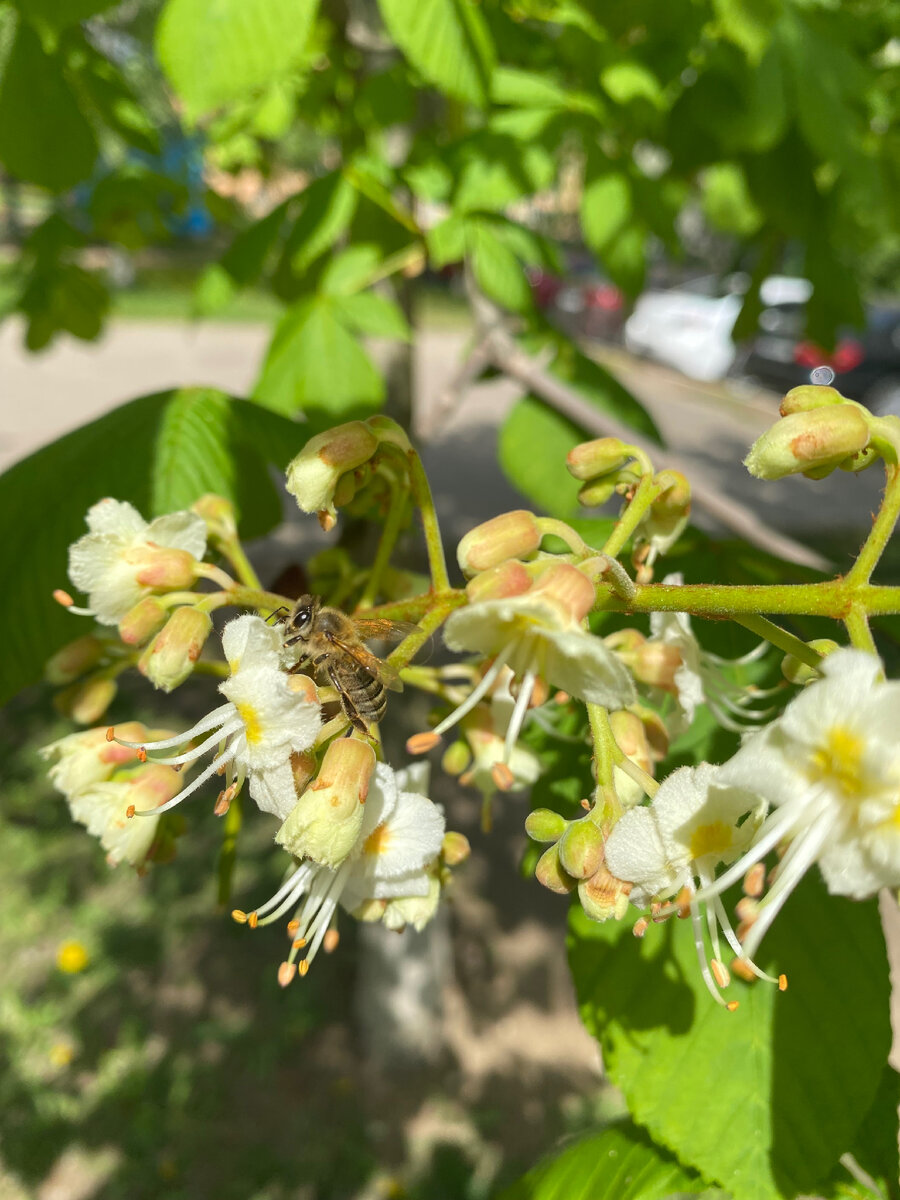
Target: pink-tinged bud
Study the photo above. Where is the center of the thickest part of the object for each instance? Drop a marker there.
(73, 660)
(801, 673)
(626, 643)
(581, 849)
(218, 515)
(163, 567)
(545, 825)
(87, 702)
(303, 767)
(325, 822)
(153, 784)
(499, 583)
(569, 587)
(511, 535)
(655, 663)
(589, 460)
(455, 848)
(313, 475)
(816, 440)
(170, 657)
(631, 737)
(809, 396)
(603, 896)
(141, 622)
(655, 733)
(550, 874)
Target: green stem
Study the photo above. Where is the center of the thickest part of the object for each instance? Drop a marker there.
(781, 638)
(247, 597)
(234, 552)
(228, 852)
(647, 491)
(858, 631)
(832, 598)
(550, 526)
(606, 751)
(392, 526)
(882, 528)
(416, 607)
(411, 645)
(437, 564)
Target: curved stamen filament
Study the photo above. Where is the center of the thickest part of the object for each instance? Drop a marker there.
(475, 695)
(208, 722)
(518, 714)
(192, 787)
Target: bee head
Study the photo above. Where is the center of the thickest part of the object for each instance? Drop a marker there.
(300, 621)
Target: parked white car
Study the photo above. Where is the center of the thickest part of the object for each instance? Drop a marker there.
(689, 327)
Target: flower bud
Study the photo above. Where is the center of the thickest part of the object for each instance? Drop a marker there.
(170, 657)
(87, 702)
(218, 516)
(550, 874)
(808, 441)
(456, 758)
(631, 738)
(545, 825)
(510, 535)
(73, 660)
(386, 429)
(799, 672)
(809, 396)
(597, 492)
(581, 849)
(164, 567)
(603, 896)
(313, 475)
(602, 456)
(499, 583)
(455, 848)
(325, 822)
(569, 587)
(141, 622)
(655, 664)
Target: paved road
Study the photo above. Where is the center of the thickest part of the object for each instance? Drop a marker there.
(711, 426)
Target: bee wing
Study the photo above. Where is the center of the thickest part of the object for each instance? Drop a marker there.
(374, 665)
(381, 629)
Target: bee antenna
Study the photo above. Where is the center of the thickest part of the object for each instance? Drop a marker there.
(278, 613)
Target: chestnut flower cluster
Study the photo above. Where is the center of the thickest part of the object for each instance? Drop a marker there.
(819, 784)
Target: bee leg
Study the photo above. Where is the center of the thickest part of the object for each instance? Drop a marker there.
(277, 614)
(350, 709)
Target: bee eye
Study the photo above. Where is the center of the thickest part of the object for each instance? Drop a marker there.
(302, 617)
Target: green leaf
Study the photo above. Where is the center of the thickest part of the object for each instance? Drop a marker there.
(763, 1100)
(448, 43)
(328, 207)
(534, 441)
(350, 270)
(374, 315)
(605, 207)
(499, 273)
(621, 1163)
(748, 23)
(727, 202)
(875, 1148)
(493, 170)
(446, 241)
(217, 51)
(530, 89)
(45, 137)
(159, 452)
(53, 16)
(315, 364)
(629, 80)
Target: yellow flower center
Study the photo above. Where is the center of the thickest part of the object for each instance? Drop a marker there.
(714, 838)
(71, 957)
(378, 841)
(839, 761)
(252, 724)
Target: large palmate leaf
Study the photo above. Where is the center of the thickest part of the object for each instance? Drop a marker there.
(448, 43)
(216, 51)
(621, 1163)
(160, 453)
(763, 1100)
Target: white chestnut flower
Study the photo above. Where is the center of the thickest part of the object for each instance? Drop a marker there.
(124, 558)
(399, 840)
(829, 767)
(269, 716)
(103, 808)
(674, 845)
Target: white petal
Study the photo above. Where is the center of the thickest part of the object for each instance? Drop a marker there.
(97, 566)
(249, 641)
(490, 625)
(276, 719)
(635, 853)
(117, 517)
(399, 847)
(381, 800)
(416, 883)
(414, 777)
(582, 665)
(274, 790)
(763, 765)
(180, 530)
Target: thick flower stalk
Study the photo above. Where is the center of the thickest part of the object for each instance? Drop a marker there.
(269, 716)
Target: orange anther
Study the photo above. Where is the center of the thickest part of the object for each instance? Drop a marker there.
(732, 1005)
(683, 903)
(292, 927)
(586, 805)
(222, 805)
(782, 983)
(303, 966)
(561, 697)
(743, 970)
(641, 926)
(252, 920)
(754, 880)
(142, 754)
(129, 811)
(330, 941)
(502, 776)
(720, 973)
(63, 598)
(111, 733)
(421, 743)
(298, 944)
(238, 914)
(286, 973)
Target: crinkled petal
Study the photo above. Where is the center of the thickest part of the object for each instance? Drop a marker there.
(414, 777)
(276, 719)
(698, 821)
(582, 665)
(274, 790)
(489, 626)
(849, 869)
(180, 530)
(97, 566)
(102, 809)
(400, 846)
(635, 853)
(381, 800)
(116, 517)
(763, 765)
(249, 642)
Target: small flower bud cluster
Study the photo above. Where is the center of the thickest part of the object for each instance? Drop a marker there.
(575, 859)
(335, 465)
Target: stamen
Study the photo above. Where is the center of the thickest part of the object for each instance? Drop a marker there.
(222, 805)
(287, 895)
(720, 973)
(292, 927)
(586, 805)
(421, 743)
(518, 715)
(475, 695)
(252, 920)
(330, 941)
(733, 1005)
(755, 880)
(641, 926)
(221, 734)
(129, 811)
(298, 943)
(286, 973)
(211, 770)
(111, 733)
(63, 598)
(142, 755)
(303, 967)
(214, 718)
(238, 914)
(782, 983)
(502, 776)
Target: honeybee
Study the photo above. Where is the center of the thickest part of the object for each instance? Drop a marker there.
(332, 641)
